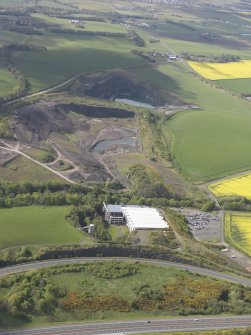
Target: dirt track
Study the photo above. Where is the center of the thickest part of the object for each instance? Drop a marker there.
(16, 150)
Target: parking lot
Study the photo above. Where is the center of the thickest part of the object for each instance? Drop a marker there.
(204, 226)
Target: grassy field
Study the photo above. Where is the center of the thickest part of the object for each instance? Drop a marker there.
(44, 155)
(68, 55)
(239, 86)
(36, 225)
(209, 143)
(238, 231)
(88, 25)
(7, 82)
(125, 161)
(219, 71)
(23, 169)
(237, 186)
(195, 48)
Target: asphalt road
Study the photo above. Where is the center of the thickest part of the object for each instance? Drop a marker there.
(55, 262)
(142, 326)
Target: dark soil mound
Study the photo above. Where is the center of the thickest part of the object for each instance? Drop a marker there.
(118, 84)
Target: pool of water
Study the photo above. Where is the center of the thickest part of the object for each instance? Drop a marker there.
(101, 146)
(134, 103)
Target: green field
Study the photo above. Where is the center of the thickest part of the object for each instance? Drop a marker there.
(21, 168)
(240, 86)
(36, 226)
(207, 143)
(88, 25)
(68, 55)
(7, 82)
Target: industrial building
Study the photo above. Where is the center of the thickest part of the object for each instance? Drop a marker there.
(143, 218)
(136, 217)
(113, 214)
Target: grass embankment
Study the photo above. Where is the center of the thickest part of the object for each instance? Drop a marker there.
(238, 231)
(114, 290)
(36, 226)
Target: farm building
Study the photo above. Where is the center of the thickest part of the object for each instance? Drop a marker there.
(136, 217)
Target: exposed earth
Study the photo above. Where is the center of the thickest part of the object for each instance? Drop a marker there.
(79, 139)
(119, 84)
(71, 131)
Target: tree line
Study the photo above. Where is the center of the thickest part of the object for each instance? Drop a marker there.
(58, 194)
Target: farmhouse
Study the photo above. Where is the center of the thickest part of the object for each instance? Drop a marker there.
(136, 217)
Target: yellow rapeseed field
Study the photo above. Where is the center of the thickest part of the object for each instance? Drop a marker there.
(237, 186)
(218, 71)
(238, 231)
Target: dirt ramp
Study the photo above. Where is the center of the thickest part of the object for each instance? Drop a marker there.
(119, 84)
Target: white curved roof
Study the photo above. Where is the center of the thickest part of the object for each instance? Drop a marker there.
(143, 218)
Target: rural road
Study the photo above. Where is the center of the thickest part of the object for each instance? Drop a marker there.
(139, 326)
(64, 261)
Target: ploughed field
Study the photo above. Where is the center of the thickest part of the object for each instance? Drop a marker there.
(36, 225)
(219, 71)
(236, 186)
(238, 231)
